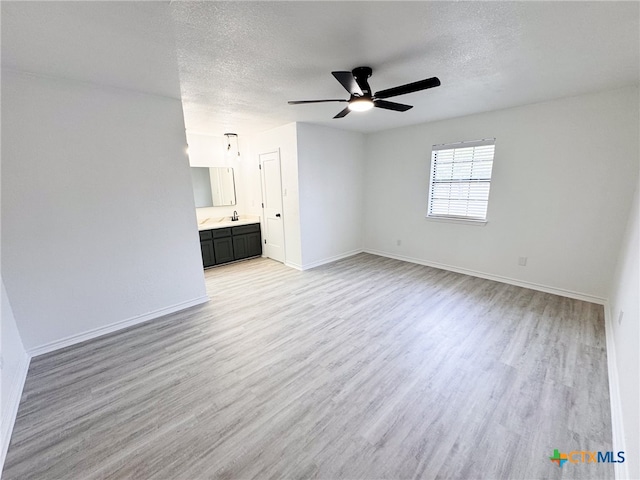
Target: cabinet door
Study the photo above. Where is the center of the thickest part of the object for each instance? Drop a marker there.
(247, 245)
(254, 244)
(240, 247)
(223, 249)
(208, 257)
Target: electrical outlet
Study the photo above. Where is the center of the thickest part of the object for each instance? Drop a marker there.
(398, 242)
(620, 315)
(522, 261)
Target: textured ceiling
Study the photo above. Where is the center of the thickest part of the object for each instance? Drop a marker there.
(241, 61)
(235, 64)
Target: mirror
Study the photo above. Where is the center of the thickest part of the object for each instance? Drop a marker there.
(201, 187)
(213, 187)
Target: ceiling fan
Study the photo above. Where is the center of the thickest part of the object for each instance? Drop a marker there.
(355, 82)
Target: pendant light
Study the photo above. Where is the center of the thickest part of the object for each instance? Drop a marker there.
(232, 151)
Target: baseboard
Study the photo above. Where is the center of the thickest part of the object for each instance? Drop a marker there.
(10, 410)
(113, 327)
(293, 265)
(617, 425)
(335, 258)
(511, 281)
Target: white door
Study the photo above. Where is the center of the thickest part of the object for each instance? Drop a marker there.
(272, 205)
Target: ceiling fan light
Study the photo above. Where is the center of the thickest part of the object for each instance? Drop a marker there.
(361, 105)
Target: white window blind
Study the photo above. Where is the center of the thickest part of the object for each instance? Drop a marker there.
(460, 180)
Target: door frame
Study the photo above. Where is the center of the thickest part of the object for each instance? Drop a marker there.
(262, 200)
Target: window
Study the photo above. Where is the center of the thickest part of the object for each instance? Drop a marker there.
(460, 180)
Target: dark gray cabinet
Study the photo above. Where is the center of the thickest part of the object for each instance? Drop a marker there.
(223, 245)
(206, 246)
(246, 241)
(223, 248)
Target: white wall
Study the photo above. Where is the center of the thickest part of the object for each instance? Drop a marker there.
(14, 364)
(331, 175)
(625, 298)
(563, 178)
(283, 139)
(98, 217)
(209, 151)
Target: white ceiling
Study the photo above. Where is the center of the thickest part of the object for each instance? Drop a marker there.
(239, 62)
(121, 44)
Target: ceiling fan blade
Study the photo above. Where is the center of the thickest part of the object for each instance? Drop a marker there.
(398, 107)
(343, 113)
(299, 102)
(348, 82)
(409, 88)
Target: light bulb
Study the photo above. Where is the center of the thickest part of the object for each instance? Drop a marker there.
(361, 104)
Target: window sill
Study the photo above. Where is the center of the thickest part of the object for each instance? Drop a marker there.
(476, 223)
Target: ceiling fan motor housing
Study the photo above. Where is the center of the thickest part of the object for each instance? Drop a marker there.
(361, 74)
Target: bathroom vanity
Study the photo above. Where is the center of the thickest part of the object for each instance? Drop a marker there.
(224, 241)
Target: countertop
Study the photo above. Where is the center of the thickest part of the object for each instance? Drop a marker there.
(224, 222)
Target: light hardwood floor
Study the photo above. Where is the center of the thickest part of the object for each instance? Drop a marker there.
(364, 368)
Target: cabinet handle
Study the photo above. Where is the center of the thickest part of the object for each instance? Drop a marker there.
(278, 215)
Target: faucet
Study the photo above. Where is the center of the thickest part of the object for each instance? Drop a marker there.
(235, 216)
